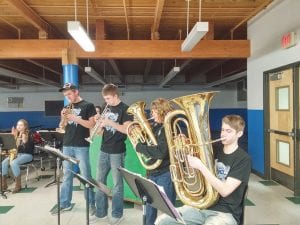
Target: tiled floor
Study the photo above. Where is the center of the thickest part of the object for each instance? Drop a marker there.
(267, 203)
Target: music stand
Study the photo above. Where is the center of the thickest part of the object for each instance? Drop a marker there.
(149, 192)
(55, 138)
(59, 156)
(7, 142)
(89, 183)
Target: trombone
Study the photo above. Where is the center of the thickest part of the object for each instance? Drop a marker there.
(95, 129)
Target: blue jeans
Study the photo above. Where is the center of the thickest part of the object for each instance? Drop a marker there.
(193, 216)
(165, 181)
(81, 153)
(106, 163)
(15, 164)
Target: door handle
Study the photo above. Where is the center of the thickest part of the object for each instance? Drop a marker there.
(290, 134)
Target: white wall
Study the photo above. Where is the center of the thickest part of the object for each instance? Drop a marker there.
(265, 32)
(34, 101)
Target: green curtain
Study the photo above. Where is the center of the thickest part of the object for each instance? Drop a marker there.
(132, 163)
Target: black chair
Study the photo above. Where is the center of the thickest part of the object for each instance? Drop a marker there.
(27, 166)
(242, 217)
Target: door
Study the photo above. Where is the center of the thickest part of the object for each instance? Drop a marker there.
(281, 126)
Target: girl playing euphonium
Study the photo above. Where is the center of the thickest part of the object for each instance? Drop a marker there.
(25, 147)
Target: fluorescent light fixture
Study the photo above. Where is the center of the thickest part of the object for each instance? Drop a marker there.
(198, 32)
(90, 71)
(81, 37)
(173, 72)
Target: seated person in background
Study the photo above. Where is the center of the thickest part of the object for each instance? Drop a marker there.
(233, 167)
(25, 148)
(160, 175)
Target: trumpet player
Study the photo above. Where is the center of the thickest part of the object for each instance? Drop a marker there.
(78, 123)
(233, 167)
(160, 175)
(114, 121)
(19, 156)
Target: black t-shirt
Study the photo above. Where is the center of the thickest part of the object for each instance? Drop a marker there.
(159, 151)
(75, 133)
(27, 147)
(236, 165)
(113, 140)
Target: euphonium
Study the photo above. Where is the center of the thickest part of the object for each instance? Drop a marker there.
(140, 131)
(96, 128)
(190, 185)
(12, 154)
(64, 121)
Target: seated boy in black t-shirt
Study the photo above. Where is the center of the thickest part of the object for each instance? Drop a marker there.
(233, 167)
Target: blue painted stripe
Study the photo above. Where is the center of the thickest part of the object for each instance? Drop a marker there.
(216, 115)
(256, 139)
(36, 119)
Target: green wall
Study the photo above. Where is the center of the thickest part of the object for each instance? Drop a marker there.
(132, 163)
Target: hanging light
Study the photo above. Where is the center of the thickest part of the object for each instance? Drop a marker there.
(79, 34)
(93, 73)
(196, 34)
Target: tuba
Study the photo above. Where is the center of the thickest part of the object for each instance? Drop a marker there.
(140, 131)
(190, 185)
(64, 121)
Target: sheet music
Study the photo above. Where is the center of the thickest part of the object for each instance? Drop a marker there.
(170, 205)
(7, 141)
(93, 182)
(60, 154)
(163, 194)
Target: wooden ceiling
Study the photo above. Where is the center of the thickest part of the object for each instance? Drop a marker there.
(161, 24)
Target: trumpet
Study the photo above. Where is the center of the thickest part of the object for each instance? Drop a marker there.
(95, 129)
(64, 121)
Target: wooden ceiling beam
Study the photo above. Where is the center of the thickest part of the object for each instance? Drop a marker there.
(101, 32)
(157, 16)
(124, 49)
(29, 14)
(251, 14)
(32, 17)
(126, 19)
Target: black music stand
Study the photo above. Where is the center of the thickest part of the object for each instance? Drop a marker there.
(89, 183)
(59, 156)
(149, 192)
(54, 139)
(7, 142)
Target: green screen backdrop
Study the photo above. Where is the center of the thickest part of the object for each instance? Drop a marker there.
(132, 163)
